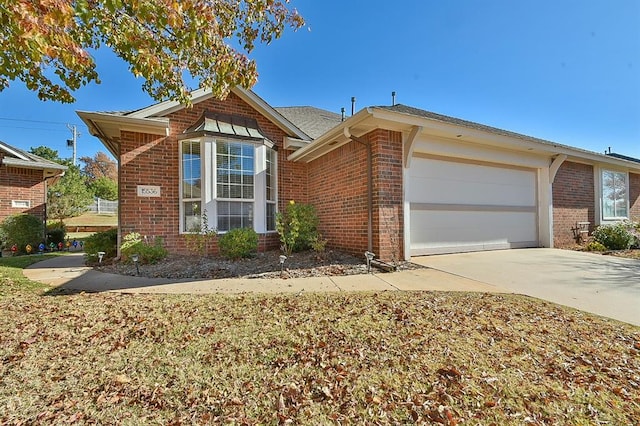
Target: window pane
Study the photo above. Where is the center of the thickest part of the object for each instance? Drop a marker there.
(271, 217)
(234, 214)
(191, 173)
(614, 194)
(192, 219)
(235, 170)
(270, 189)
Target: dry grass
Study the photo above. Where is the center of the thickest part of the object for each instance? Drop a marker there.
(386, 358)
(92, 219)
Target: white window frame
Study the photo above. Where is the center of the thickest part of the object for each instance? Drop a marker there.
(209, 185)
(602, 219)
(21, 204)
(181, 188)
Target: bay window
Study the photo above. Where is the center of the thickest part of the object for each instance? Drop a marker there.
(238, 189)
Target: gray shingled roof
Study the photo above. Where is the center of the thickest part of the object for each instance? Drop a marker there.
(17, 157)
(459, 122)
(313, 121)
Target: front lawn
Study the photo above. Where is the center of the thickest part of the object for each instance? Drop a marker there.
(347, 358)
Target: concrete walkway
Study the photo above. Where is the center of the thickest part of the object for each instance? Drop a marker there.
(604, 285)
(68, 272)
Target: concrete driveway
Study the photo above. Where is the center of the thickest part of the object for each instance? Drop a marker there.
(603, 285)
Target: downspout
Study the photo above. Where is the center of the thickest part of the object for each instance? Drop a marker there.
(348, 134)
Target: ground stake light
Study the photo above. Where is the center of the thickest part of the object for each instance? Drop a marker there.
(369, 257)
(283, 258)
(135, 259)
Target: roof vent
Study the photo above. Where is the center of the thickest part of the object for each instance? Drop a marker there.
(393, 98)
(353, 105)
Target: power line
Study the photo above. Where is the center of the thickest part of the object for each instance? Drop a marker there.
(38, 129)
(30, 121)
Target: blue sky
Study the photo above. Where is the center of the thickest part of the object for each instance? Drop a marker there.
(566, 71)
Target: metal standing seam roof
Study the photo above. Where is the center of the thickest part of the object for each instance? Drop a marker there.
(211, 123)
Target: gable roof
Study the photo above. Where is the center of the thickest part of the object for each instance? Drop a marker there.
(16, 157)
(311, 120)
(106, 126)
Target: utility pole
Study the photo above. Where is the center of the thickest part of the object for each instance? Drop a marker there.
(71, 143)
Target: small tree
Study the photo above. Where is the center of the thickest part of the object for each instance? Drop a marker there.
(297, 227)
(105, 188)
(69, 197)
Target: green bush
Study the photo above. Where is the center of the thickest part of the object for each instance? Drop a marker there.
(106, 241)
(147, 253)
(615, 236)
(238, 243)
(595, 246)
(22, 230)
(297, 227)
(56, 233)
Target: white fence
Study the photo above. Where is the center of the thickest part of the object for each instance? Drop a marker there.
(101, 206)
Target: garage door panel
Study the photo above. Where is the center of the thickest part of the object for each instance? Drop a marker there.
(457, 207)
(437, 181)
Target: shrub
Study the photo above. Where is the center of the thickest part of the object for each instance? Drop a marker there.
(106, 241)
(238, 243)
(200, 238)
(147, 253)
(595, 246)
(22, 230)
(297, 227)
(56, 233)
(615, 236)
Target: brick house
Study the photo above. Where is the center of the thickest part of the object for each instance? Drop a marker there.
(396, 180)
(24, 178)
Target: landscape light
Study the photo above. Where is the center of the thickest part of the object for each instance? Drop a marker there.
(283, 258)
(135, 259)
(369, 257)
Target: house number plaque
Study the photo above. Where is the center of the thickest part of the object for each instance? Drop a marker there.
(148, 191)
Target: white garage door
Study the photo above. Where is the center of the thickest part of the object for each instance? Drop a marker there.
(458, 207)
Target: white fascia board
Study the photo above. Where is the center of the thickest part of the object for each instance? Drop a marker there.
(516, 141)
(167, 107)
(10, 150)
(268, 111)
(154, 126)
(199, 95)
(320, 146)
(294, 143)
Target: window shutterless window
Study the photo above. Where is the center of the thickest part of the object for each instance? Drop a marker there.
(190, 153)
(235, 171)
(615, 199)
(233, 182)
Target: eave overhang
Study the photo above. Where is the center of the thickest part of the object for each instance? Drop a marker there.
(167, 107)
(107, 127)
(372, 118)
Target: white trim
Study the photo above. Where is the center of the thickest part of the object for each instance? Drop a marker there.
(21, 204)
(599, 194)
(199, 95)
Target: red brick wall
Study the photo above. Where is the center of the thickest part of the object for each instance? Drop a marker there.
(338, 189)
(388, 216)
(152, 160)
(634, 196)
(21, 184)
(573, 201)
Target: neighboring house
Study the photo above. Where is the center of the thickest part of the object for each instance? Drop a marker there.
(24, 178)
(396, 180)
